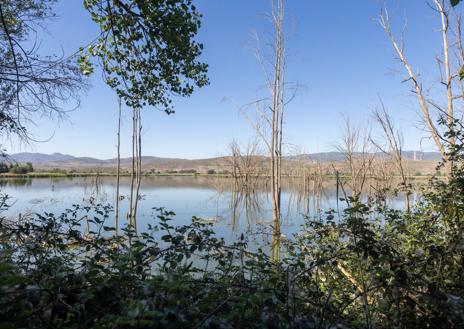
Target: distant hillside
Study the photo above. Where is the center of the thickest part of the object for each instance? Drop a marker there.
(339, 156)
(425, 162)
(38, 158)
(66, 159)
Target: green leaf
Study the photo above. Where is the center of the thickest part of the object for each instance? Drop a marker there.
(455, 3)
(461, 73)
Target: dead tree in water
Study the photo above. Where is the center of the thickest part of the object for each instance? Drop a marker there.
(394, 140)
(268, 119)
(278, 109)
(244, 163)
(310, 186)
(382, 173)
(270, 115)
(355, 147)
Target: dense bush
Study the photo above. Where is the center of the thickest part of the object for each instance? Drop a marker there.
(188, 171)
(58, 171)
(53, 275)
(21, 169)
(3, 167)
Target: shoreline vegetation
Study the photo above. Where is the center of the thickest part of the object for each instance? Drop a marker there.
(216, 175)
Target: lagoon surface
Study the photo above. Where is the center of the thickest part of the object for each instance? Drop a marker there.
(213, 198)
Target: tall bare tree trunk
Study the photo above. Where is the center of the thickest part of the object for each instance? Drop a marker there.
(276, 122)
(440, 4)
(138, 165)
(270, 112)
(134, 208)
(426, 104)
(118, 169)
(131, 197)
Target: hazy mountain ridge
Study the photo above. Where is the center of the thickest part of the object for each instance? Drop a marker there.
(37, 158)
(60, 160)
(339, 156)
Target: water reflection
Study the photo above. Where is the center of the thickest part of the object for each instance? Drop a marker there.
(16, 182)
(232, 208)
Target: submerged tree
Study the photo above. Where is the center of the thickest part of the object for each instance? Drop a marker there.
(245, 163)
(270, 112)
(394, 141)
(147, 53)
(355, 147)
(31, 84)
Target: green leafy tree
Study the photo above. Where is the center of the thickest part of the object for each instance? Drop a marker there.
(147, 49)
(147, 53)
(3, 167)
(29, 167)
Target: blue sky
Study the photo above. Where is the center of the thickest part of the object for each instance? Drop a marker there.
(337, 51)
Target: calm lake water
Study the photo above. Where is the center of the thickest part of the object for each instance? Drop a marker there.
(210, 198)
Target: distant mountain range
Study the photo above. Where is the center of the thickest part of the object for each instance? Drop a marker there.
(59, 158)
(65, 161)
(339, 156)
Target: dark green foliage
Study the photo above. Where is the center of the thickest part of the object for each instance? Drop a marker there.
(455, 2)
(147, 49)
(29, 167)
(382, 268)
(52, 275)
(21, 169)
(188, 171)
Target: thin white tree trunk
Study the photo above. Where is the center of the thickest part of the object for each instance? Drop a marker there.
(448, 82)
(276, 139)
(384, 22)
(441, 141)
(131, 197)
(118, 169)
(138, 164)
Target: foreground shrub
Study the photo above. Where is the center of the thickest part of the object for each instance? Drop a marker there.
(56, 273)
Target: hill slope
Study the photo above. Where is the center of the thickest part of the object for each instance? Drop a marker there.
(46, 162)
